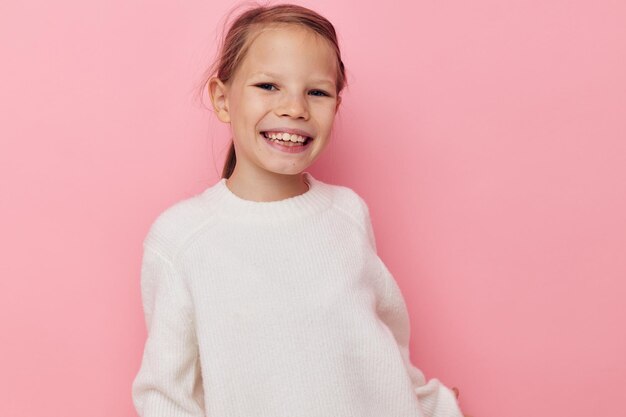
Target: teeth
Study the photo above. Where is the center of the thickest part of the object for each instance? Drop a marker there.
(285, 137)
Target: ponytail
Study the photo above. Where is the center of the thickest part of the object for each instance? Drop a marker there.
(231, 160)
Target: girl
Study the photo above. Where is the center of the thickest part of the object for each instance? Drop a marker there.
(263, 295)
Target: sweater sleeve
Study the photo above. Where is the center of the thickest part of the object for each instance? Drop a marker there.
(168, 383)
(435, 399)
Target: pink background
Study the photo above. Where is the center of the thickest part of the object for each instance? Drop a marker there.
(488, 137)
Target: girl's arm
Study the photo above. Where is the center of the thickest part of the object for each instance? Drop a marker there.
(435, 399)
(168, 383)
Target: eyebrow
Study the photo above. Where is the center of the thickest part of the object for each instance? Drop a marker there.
(271, 74)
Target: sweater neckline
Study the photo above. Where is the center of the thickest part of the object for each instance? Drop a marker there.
(315, 199)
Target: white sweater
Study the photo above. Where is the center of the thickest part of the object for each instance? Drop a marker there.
(275, 309)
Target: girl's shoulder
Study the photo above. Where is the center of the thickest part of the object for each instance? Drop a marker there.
(178, 221)
(348, 200)
(353, 206)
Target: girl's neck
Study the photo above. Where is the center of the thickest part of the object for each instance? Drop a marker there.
(264, 188)
(229, 205)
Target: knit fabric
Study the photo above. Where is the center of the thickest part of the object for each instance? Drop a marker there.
(275, 309)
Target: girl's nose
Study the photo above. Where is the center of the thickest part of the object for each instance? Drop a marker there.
(293, 106)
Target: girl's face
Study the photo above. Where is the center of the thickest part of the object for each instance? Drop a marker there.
(286, 81)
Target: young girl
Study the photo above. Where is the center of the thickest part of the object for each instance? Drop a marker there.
(264, 295)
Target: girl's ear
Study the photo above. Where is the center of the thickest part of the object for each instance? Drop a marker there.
(218, 92)
(338, 103)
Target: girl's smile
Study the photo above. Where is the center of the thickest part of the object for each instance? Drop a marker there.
(287, 140)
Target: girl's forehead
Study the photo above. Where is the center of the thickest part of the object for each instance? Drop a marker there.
(289, 39)
(277, 45)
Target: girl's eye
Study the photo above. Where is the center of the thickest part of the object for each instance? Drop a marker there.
(322, 93)
(268, 87)
(265, 85)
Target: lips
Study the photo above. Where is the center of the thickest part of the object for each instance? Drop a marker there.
(288, 147)
(266, 135)
(289, 130)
